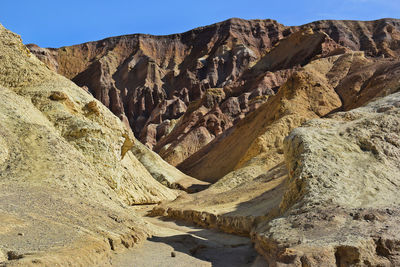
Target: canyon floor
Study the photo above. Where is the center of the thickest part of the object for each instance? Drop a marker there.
(192, 245)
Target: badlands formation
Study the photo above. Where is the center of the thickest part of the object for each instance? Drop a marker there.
(287, 135)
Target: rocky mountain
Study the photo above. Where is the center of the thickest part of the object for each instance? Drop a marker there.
(323, 194)
(68, 173)
(331, 201)
(293, 132)
(321, 87)
(178, 92)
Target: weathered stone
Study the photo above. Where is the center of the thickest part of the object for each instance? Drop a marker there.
(218, 101)
(165, 173)
(63, 172)
(333, 174)
(258, 139)
(56, 96)
(150, 79)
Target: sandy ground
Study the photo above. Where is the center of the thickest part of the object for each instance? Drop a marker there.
(193, 246)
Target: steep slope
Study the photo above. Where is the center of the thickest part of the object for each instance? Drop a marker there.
(341, 204)
(165, 173)
(215, 112)
(150, 81)
(67, 174)
(133, 74)
(337, 82)
(204, 119)
(333, 203)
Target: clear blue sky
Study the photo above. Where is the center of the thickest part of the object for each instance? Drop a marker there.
(59, 23)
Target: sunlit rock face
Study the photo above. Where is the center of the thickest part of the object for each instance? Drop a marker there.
(340, 207)
(149, 82)
(67, 172)
(296, 127)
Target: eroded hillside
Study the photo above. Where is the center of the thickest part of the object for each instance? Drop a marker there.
(295, 127)
(330, 201)
(67, 172)
(153, 82)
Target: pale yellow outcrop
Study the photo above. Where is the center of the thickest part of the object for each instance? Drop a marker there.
(67, 176)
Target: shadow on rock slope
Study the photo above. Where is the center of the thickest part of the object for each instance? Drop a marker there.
(150, 82)
(67, 174)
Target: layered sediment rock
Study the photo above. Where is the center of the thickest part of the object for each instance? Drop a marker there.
(323, 86)
(67, 172)
(340, 206)
(233, 206)
(220, 100)
(149, 81)
(333, 203)
(165, 173)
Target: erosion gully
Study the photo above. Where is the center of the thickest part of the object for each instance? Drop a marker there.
(177, 243)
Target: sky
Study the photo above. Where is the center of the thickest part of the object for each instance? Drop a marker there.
(61, 23)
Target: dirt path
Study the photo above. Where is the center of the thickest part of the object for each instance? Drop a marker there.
(192, 246)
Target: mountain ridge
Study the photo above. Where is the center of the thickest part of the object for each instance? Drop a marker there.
(209, 25)
(297, 129)
(149, 81)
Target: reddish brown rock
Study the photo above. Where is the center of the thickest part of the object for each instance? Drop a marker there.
(202, 121)
(150, 80)
(219, 101)
(350, 77)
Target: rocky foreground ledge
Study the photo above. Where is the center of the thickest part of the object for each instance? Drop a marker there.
(341, 205)
(338, 205)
